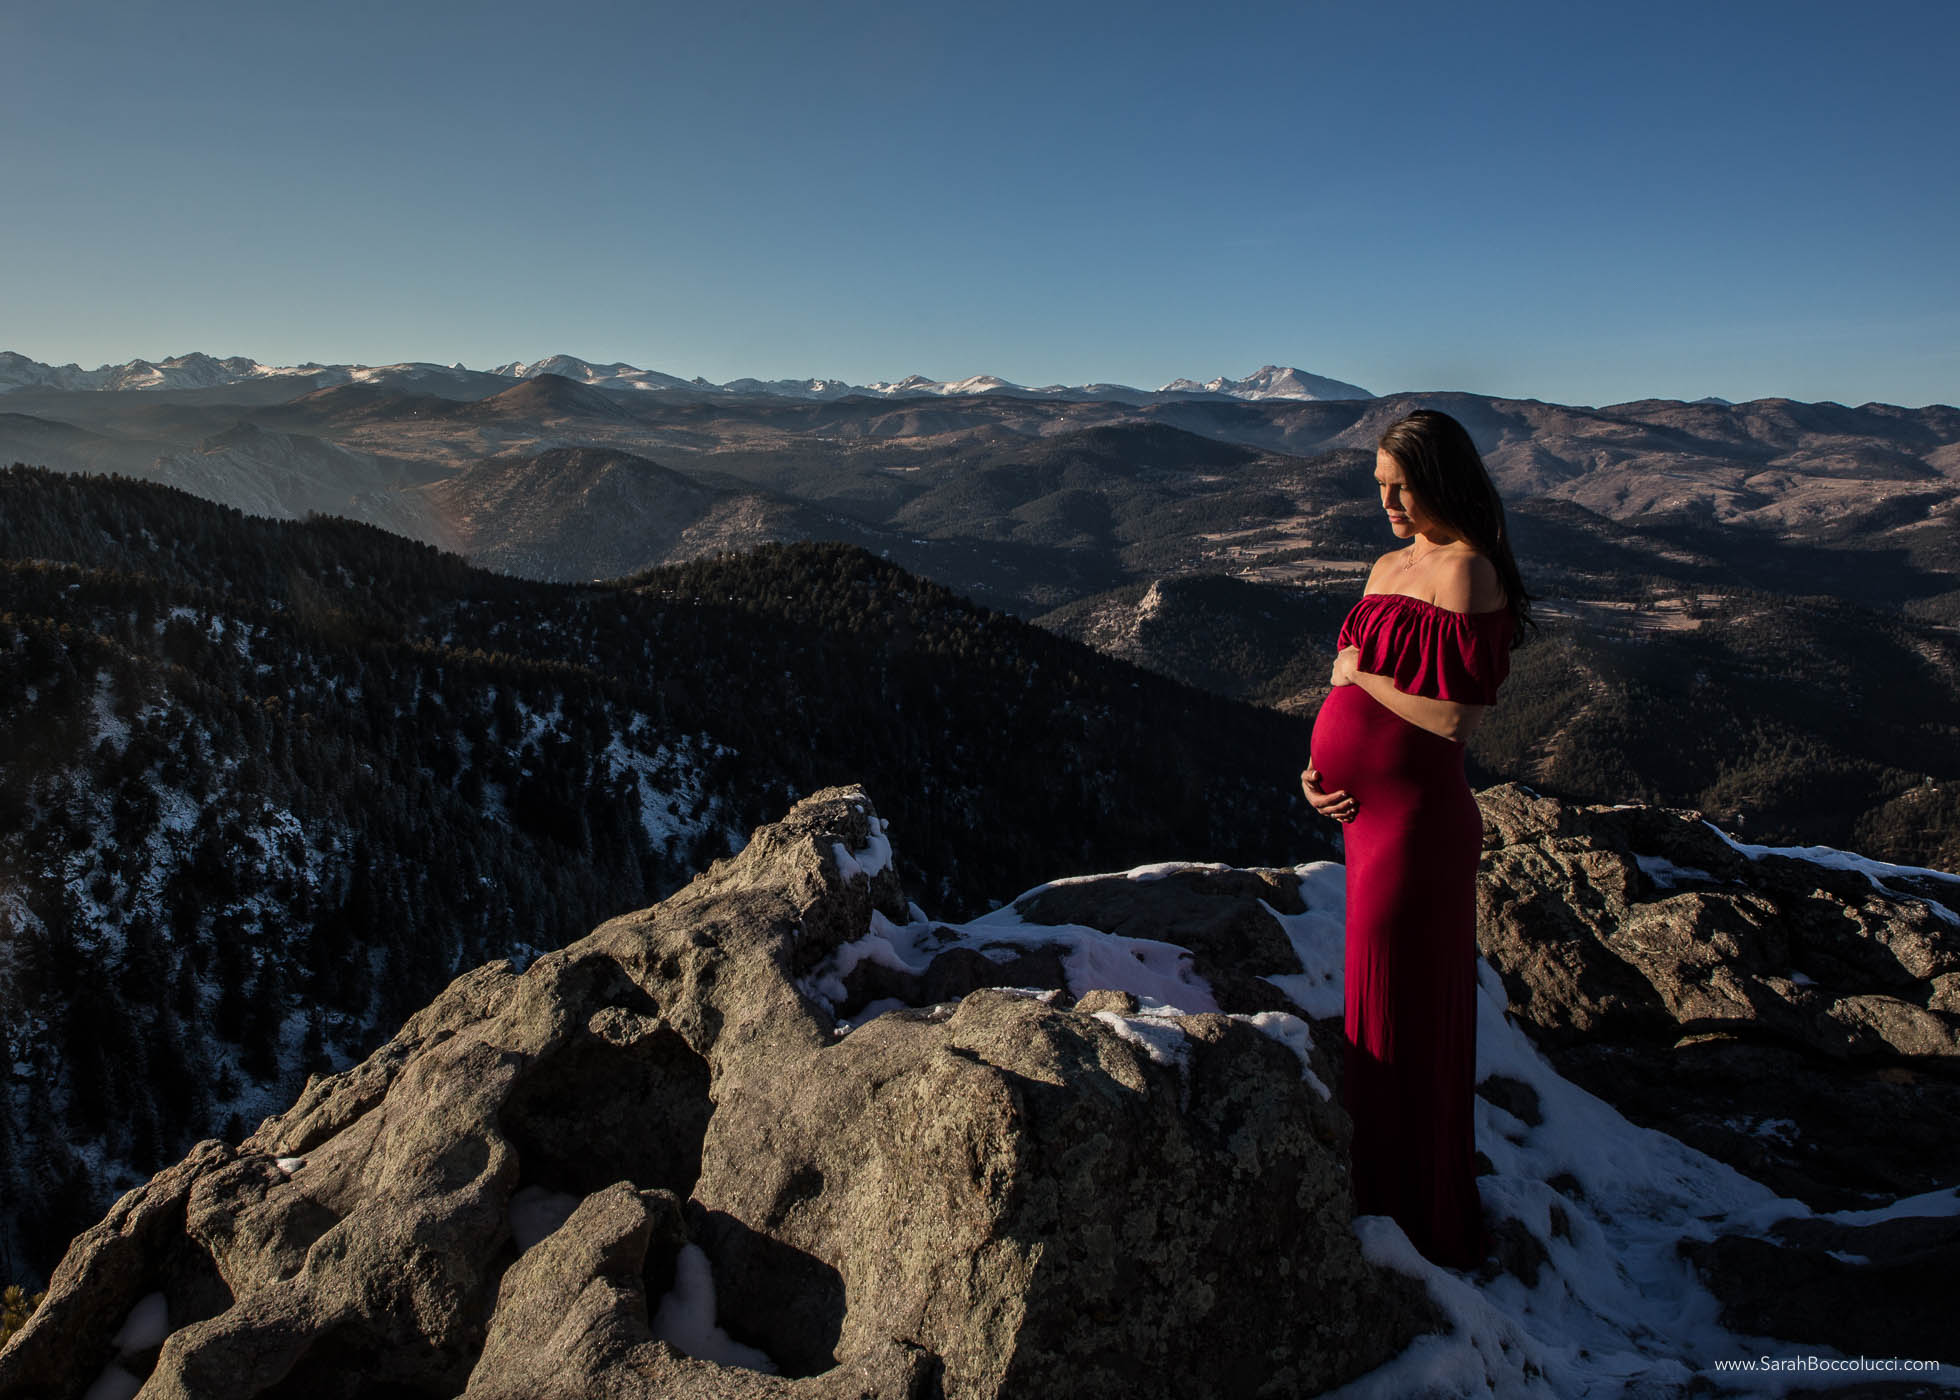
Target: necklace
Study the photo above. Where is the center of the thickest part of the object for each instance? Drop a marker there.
(1409, 564)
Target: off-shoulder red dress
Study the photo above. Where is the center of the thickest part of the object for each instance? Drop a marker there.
(1411, 957)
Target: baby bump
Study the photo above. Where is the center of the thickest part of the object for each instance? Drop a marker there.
(1361, 746)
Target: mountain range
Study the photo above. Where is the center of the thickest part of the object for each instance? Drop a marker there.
(200, 371)
(1756, 571)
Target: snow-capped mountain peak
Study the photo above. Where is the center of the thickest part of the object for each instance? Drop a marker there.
(1272, 382)
(200, 371)
(911, 384)
(618, 375)
(193, 371)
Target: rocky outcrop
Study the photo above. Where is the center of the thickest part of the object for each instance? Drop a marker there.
(1794, 1018)
(999, 1195)
(1726, 997)
(1631, 922)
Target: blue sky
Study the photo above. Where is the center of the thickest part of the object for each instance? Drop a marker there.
(1571, 202)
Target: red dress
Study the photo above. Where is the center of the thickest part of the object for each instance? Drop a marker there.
(1411, 957)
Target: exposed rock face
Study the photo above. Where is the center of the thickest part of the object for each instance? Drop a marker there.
(1800, 1022)
(1638, 922)
(1726, 999)
(1001, 1196)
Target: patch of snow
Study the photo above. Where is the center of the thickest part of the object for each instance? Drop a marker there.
(870, 1011)
(1143, 874)
(113, 1384)
(1945, 1201)
(110, 727)
(876, 856)
(1667, 874)
(1148, 970)
(668, 777)
(1090, 958)
(1616, 1310)
(177, 814)
(522, 955)
(1319, 939)
(848, 868)
(1488, 1350)
(1154, 1029)
(146, 1326)
(686, 1317)
(536, 1213)
(1295, 1035)
(1876, 871)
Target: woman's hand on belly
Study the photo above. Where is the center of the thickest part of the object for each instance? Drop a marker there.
(1345, 662)
(1445, 718)
(1338, 805)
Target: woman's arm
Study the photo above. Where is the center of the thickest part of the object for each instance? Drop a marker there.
(1447, 718)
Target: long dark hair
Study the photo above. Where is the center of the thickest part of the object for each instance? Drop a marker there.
(1447, 475)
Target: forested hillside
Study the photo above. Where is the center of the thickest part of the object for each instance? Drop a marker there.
(268, 785)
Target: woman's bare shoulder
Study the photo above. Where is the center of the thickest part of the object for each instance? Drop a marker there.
(1380, 570)
(1467, 582)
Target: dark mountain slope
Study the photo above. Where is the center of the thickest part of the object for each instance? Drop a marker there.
(570, 513)
(1128, 449)
(573, 514)
(343, 406)
(1100, 488)
(293, 475)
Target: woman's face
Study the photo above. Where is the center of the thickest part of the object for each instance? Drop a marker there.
(1407, 515)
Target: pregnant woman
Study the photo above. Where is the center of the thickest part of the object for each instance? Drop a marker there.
(1420, 659)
